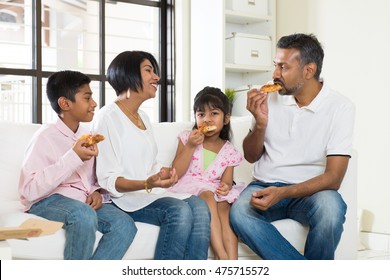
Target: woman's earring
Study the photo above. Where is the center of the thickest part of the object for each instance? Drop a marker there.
(128, 94)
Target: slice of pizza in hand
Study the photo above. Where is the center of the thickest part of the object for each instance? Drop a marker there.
(92, 139)
(206, 128)
(270, 88)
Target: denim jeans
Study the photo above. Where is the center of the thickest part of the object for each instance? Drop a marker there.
(184, 227)
(81, 223)
(324, 213)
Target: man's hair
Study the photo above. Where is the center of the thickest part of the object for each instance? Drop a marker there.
(124, 71)
(309, 47)
(64, 84)
(214, 98)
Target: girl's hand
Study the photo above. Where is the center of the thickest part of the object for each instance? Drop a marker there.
(160, 181)
(94, 200)
(223, 189)
(196, 138)
(166, 172)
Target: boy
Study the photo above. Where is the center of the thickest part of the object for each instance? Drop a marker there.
(58, 180)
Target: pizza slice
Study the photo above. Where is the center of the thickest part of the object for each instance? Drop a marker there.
(271, 88)
(206, 128)
(92, 139)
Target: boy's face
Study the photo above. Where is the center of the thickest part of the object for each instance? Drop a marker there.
(82, 110)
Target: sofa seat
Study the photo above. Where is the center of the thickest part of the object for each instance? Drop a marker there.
(15, 137)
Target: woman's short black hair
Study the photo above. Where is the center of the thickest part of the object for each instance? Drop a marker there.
(64, 84)
(214, 98)
(124, 71)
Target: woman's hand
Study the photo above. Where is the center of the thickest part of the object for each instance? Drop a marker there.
(162, 180)
(94, 200)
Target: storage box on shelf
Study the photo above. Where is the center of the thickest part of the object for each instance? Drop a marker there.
(250, 32)
(258, 7)
(248, 49)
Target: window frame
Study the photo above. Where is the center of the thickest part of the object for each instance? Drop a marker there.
(167, 52)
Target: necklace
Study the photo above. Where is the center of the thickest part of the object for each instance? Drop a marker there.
(136, 117)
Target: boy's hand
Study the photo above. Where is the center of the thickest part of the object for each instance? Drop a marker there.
(94, 200)
(85, 153)
(223, 189)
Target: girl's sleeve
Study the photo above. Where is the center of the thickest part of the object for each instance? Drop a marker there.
(235, 158)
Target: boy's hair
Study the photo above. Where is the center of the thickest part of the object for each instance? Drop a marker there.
(214, 98)
(64, 84)
(309, 47)
(124, 71)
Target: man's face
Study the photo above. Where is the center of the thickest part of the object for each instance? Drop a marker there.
(288, 71)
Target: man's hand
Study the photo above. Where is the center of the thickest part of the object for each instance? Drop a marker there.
(94, 200)
(265, 198)
(258, 106)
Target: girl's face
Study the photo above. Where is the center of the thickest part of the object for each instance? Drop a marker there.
(211, 116)
(149, 79)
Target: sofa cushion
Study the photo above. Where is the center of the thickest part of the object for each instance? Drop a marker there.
(14, 138)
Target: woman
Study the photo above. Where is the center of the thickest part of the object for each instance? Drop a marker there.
(127, 167)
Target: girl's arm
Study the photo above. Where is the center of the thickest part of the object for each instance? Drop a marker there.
(226, 181)
(184, 153)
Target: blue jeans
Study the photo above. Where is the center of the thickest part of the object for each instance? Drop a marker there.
(81, 223)
(324, 213)
(184, 227)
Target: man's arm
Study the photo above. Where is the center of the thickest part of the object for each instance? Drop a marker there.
(331, 179)
(253, 144)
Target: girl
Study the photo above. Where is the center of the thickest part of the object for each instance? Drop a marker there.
(204, 163)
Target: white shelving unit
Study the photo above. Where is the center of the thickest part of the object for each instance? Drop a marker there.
(238, 75)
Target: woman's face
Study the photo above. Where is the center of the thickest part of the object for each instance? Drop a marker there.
(149, 79)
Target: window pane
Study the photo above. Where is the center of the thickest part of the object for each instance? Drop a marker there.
(15, 98)
(15, 34)
(48, 114)
(132, 27)
(70, 35)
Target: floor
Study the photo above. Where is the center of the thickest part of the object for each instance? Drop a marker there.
(373, 255)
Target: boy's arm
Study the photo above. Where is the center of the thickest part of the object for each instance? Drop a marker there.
(42, 171)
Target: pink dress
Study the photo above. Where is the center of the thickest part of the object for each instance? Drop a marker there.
(197, 180)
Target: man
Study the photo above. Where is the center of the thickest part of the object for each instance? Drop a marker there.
(300, 145)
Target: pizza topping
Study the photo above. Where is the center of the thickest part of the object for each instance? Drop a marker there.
(270, 88)
(91, 139)
(206, 128)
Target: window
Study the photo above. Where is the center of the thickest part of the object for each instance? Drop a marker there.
(40, 37)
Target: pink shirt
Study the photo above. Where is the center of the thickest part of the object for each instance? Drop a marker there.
(51, 166)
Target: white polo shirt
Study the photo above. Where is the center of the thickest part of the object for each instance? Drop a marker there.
(298, 140)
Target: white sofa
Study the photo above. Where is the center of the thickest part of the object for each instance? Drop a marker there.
(14, 138)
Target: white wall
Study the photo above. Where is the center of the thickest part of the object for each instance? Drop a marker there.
(355, 35)
(356, 40)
